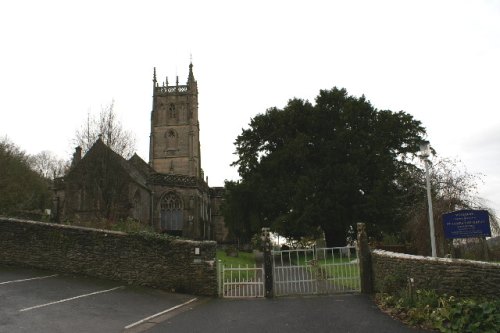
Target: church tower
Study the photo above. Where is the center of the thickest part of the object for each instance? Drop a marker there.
(175, 131)
(180, 196)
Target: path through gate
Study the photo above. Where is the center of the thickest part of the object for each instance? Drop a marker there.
(315, 271)
(241, 281)
(295, 272)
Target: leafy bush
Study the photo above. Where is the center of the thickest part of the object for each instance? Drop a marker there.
(128, 225)
(441, 312)
(131, 225)
(256, 242)
(467, 315)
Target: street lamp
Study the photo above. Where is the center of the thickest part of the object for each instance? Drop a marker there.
(425, 153)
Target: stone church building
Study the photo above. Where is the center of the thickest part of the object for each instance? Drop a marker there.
(169, 193)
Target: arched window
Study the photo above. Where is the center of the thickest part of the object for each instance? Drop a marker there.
(137, 198)
(172, 112)
(136, 202)
(172, 141)
(171, 212)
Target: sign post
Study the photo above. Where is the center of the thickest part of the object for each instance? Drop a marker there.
(466, 224)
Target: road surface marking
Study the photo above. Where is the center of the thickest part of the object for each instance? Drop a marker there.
(70, 299)
(159, 314)
(30, 279)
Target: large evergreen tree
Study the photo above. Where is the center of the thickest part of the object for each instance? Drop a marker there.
(311, 168)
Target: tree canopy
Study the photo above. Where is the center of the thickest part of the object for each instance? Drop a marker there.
(21, 188)
(316, 168)
(48, 165)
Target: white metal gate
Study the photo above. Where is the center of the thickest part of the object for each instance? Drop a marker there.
(316, 271)
(241, 282)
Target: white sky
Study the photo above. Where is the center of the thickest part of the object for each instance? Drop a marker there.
(437, 60)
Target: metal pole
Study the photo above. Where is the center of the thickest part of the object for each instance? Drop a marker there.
(431, 217)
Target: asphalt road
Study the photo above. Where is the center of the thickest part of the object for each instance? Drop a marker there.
(348, 313)
(42, 301)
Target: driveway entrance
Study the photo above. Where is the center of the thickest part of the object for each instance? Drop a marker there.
(311, 271)
(316, 271)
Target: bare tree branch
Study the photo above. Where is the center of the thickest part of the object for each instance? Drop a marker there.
(107, 126)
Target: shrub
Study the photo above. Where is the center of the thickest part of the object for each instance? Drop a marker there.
(444, 313)
(468, 315)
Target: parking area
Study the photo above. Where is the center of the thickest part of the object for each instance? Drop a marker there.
(42, 301)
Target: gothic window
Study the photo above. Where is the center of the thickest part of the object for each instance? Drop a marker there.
(171, 212)
(137, 198)
(79, 198)
(172, 141)
(172, 111)
(136, 202)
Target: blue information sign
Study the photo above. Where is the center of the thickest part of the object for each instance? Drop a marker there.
(466, 224)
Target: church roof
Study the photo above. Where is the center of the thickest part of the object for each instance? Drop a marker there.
(144, 168)
(135, 167)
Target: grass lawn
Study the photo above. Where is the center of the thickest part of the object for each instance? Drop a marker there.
(231, 265)
(304, 258)
(331, 265)
(243, 259)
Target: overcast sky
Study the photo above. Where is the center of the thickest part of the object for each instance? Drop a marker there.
(437, 60)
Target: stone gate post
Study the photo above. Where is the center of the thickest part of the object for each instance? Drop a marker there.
(365, 262)
(268, 265)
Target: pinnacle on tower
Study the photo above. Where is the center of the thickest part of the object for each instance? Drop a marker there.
(191, 76)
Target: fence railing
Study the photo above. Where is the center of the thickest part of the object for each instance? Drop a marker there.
(241, 281)
(316, 271)
(295, 272)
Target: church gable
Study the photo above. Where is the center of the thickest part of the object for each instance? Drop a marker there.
(140, 165)
(102, 184)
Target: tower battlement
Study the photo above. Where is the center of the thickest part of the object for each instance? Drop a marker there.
(175, 90)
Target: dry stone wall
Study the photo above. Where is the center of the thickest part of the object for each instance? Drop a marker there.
(143, 259)
(451, 276)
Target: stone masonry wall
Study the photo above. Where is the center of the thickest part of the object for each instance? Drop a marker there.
(451, 276)
(141, 259)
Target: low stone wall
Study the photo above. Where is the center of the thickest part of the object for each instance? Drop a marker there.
(451, 276)
(142, 259)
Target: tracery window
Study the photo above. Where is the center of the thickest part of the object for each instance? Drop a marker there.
(172, 111)
(171, 212)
